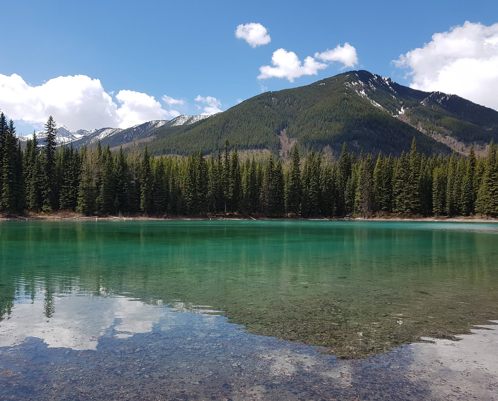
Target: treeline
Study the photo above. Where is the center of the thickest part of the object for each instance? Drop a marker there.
(47, 179)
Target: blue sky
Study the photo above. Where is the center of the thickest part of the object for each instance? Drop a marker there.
(188, 49)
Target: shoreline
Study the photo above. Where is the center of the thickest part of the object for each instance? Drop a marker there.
(76, 217)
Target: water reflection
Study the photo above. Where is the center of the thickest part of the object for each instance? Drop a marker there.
(358, 288)
(104, 347)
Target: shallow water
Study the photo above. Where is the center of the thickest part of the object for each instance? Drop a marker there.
(121, 310)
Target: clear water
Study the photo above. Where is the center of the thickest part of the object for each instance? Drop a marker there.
(199, 309)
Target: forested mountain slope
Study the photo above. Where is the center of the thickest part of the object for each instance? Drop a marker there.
(367, 111)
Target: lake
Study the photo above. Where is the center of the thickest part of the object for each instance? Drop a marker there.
(248, 310)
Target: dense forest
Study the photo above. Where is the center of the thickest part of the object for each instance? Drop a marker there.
(97, 182)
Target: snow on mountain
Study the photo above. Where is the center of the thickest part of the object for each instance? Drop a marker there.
(64, 136)
(112, 136)
(186, 120)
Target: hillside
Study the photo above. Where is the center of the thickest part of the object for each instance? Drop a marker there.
(367, 111)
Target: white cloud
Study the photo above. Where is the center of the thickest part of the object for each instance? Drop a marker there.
(462, 61)
(344, 54)
(212, 105)
(287, 65)
(79, 102)
(137, 108)
(171, 101)
(254, 34)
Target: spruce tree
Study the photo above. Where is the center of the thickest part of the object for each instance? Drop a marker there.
(439, 187)
(343, 175)
(468, 190)
(278, 188)
(122, 183)
(487, 199)
(267, 190)
(49, 193)
(451, 198)
(145, 183)
(87, 190)
(161, 187)
(412, 190)
(294, 189)
(235, 185)
(11, 176)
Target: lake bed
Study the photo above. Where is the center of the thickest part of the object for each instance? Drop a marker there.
(241, 310)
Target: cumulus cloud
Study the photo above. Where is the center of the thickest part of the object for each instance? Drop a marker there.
(254, 34)
(462, 61)
(137, 108)
(344, 54)
(212, 105)
(287, 65)
(171, 101)
(79, 102)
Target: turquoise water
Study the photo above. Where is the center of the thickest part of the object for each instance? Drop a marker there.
(356, 289)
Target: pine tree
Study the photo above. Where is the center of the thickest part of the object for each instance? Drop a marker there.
(108, 184)
(328, 191)
(364, 190)
(122, 178)
(87, 191)
(235, 185)
(294, 189)
(267, 190)
(343, 176)
(278, 188)
(3, 136)
(468, 190)
(412, 189)
(487, 200)
(11, 175)
(402, 199)
(145, 183)
(226, 178)
(49, 192)
(439, 187)
(451, 183)
(426, 202)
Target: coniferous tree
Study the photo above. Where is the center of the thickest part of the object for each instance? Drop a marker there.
(364, 190)
(294, 189)
(108, 184)
(87, 191)
(487, 198)
(343, 176)
(267, 189)
(278, 188)
(49, 191)
(145, 183)
(122, 182)
(451, 182)
(235, 186)
(439, 186)
(11, 173)
(425, 187)
(402, 199)
(226, 177)
(412, 190)
(3, 135)
(328, 191)
(468, 189)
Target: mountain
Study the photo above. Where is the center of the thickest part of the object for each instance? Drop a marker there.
(64, 135)
(114, 136)
(367, 111)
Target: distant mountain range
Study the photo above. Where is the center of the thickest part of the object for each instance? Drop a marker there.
(113, 136)
(366, 111)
